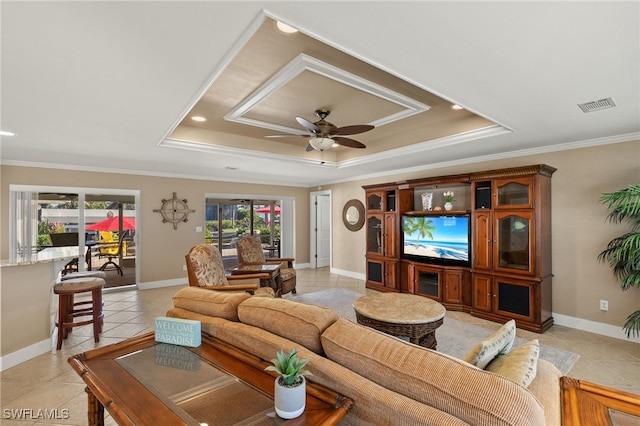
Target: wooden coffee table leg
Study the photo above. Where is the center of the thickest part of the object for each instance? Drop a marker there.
(95, 410)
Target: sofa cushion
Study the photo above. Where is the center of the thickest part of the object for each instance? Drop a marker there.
(208, 324)
(519, 364)
(451, 385)
(210, 302)
(299, 322)
(546, 387)
(498, 343)
(374, 404)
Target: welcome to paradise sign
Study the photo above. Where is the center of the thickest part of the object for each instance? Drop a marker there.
(178, 331)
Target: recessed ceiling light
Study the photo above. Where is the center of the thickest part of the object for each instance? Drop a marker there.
(456, 106)
(198, 118)
(286, 28)
(6, 133)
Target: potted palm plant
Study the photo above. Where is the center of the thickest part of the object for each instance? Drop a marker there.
(623, 252)
(290, 392)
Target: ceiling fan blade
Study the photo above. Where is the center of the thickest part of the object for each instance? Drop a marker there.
(307, 124)
(309, 148)
(288, 136)
(352, 130)
(351, 143)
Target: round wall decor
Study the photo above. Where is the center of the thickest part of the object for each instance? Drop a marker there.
(174, 210)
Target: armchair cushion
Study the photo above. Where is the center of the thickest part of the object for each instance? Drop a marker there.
(250, 250)
(206, 266)
(210, 303)
(287, 274)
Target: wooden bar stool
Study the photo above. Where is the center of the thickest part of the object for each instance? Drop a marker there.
(68, 309)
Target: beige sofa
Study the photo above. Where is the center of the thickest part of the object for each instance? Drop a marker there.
(391, 381)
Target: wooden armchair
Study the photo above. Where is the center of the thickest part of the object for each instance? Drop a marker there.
(250, 252)
(205, 269)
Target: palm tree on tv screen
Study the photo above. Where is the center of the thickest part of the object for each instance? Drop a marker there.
(422, 225)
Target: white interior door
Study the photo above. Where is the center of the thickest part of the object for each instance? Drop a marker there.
(323, 230)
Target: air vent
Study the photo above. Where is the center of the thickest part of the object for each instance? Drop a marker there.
(597, 105)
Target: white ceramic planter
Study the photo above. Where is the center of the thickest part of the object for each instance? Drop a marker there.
(290, 402)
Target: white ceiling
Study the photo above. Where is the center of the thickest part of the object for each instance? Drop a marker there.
(105, 85)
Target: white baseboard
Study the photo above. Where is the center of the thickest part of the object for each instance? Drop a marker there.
(593, 327)
(349, 274)
(25, 354)
(164, 283)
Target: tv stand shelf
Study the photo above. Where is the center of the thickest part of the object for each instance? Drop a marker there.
(508, 275)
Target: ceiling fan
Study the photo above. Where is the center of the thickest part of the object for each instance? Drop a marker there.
(322, 134)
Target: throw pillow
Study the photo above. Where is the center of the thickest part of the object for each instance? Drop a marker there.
(498, 343)
(519, 365)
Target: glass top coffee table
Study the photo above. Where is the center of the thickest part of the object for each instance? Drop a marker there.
(144, 382)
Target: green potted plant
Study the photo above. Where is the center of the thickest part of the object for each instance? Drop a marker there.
(623, 252)
(290, 392)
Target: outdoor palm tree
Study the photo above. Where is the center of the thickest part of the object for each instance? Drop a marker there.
(623, 252)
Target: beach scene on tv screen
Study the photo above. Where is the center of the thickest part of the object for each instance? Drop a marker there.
(445, 237)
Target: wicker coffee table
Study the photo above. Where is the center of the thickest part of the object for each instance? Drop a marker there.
(401, 314)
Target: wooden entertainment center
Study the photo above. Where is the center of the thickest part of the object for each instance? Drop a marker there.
(507, 270)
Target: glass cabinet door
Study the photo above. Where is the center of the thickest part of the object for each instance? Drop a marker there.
(374, 201)
(514, 193)
(513, 242)
(374, 234)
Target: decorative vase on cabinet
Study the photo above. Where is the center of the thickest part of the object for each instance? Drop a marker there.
(448, 205)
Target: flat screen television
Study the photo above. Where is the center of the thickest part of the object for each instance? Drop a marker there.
(441, 240)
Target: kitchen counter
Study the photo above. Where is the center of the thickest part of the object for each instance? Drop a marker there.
(28, 305)
(47, 255)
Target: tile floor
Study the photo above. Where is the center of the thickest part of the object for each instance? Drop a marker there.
(47, 382)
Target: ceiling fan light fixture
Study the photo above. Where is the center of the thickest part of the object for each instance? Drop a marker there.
(321, 143)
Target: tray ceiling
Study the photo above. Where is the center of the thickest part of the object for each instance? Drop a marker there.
(275, 77)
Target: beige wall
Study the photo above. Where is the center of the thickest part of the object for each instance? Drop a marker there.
(579, 228)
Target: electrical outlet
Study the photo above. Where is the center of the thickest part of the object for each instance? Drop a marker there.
(604, 305)
(184, 267)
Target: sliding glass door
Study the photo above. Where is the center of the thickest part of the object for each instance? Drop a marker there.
(229, 219)
(49, 217)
